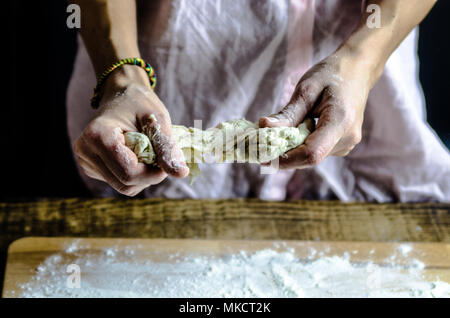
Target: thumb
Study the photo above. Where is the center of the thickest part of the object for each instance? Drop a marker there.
(302, 100)
(169, 156)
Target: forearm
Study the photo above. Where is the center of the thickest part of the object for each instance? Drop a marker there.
(109, 32)
(371, 47)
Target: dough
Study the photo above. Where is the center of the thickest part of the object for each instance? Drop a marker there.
(233, 141)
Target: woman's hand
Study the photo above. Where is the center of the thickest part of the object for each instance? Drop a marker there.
(126, 105)
(335, 91)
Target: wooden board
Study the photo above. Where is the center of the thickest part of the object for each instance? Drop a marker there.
(226, 219)
(26, 254)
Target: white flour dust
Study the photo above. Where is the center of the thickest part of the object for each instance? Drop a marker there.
(265, 273)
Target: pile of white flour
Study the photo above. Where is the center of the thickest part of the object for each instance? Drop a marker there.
(265, 273)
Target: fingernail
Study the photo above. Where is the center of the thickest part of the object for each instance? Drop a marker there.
(272, 119)
(179, 168)
(177, 165)
(152, 118)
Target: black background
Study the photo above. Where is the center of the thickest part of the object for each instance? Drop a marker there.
(40, 51)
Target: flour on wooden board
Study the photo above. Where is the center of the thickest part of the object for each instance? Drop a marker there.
(265, 273)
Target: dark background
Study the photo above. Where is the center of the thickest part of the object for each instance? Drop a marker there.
(40, 51)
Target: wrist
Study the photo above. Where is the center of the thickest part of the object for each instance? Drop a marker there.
(121, 79)
(369, 48)
(358, 62)
(125, 76)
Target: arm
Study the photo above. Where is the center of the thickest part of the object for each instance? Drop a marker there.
(109, 32)
(373, 46)
(336, 89)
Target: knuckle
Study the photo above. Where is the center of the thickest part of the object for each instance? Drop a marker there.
(341, 114)
(158, 177)
(81, 162)
(93, 132)
(349, 116)
(350, 150)
(346, 118)
(90, 174)
(304, 90)
(289, 113)
(130, 193)
(128, 177)
(354, 138)
(125, 190)
(161, 177)
(77, 147)
(345, 152)
(314, 156)
(83, 168)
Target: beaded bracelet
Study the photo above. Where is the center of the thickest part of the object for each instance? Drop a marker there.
(95, 101)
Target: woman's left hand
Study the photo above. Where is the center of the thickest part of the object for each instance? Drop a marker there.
(334, 91)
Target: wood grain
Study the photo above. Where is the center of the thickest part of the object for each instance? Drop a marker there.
(226, 219)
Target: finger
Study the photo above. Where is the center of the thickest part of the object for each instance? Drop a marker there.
(104, 171)
(303, 99)
(121, 161)
(349, 141)
(90, 170)
(317, 146)
(84, 162)
(342, 153)
(112, 180)
(342, 148)
(168, 155)
(136, 190)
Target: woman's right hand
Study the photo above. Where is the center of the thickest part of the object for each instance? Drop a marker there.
(126, 105)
